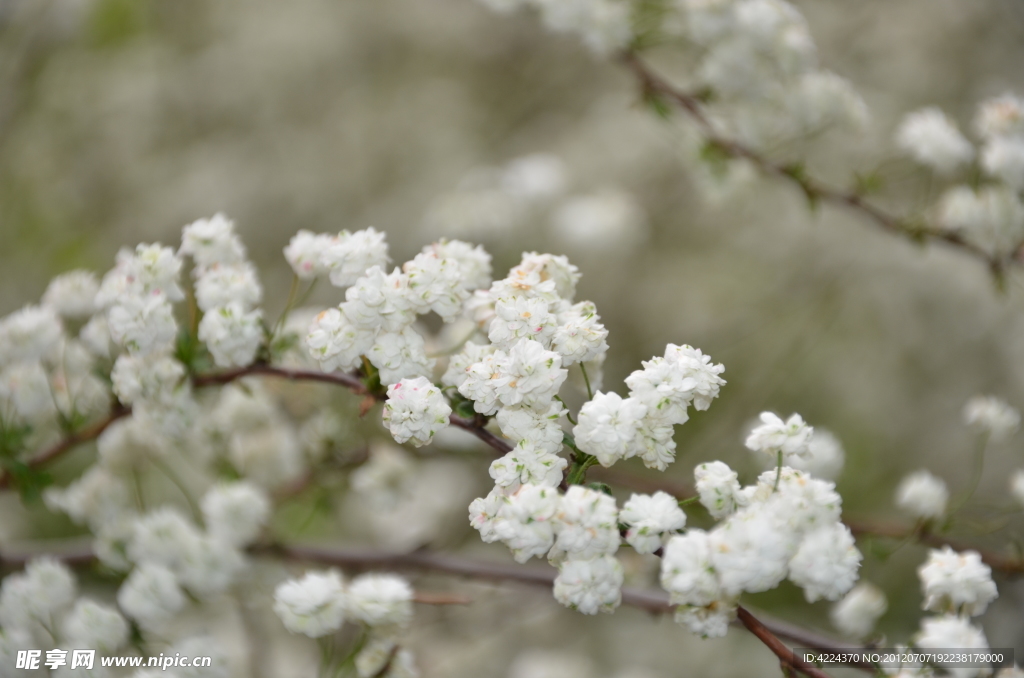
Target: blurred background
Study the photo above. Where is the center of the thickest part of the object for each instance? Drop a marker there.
(123, 120)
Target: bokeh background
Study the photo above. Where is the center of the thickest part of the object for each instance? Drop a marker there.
(123, 120)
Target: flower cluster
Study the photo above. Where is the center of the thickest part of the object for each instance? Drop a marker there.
(785, 525)
(319, 603)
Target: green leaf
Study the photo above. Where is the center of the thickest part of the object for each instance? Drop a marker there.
(601, 487)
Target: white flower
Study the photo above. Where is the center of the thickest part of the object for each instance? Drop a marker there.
(379, 301)
(73, 294)
(932, 139)
(825, 456)
(534, 376)
(29, 334)
(163, 537)
(212, 241)
(949, 632)
(710, 621)
(232, 334)
(484, 514)
(96, 498)
(519, 317)
(415, 410)
(336, 343)
(826, 563)
(43, 590)
(956, 582)
(590, 586)
(474, 262)
(209, 567)
(656, 445)
(992, 416)
(314, 605)
(222, 284)
(483, 380)
(650, 519)
(528, 465)
(1017, 486)
(380, 599)
(1003, 158)
(687, 572)
(791, 438)
(579, 336)
(460, 363)
(669, 384)
(95, 335)
(719, 488)
(142, 324)
(801, 502)
(751, 550)
(235, 513)
(608, 427)
(348, 255)
(535, 270)
(587, 525)
(609, 220)
(95, 626)
(856, 614)
(992, 218)
(540, 428)
(922, 495)
(303, 253)
(1000, 116)
(527, 521)
(151, 595)
(435, 284)
(151, 377)
(26, 387)
(400, 355)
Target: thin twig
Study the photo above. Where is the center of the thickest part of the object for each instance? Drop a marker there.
(815, 190)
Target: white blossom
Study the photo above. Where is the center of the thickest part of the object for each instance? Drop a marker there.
(485, 514)
(151, 377)
(608, 427)
(435, 284)
(314, 605)
(669, 385)
(709, 621)
(347, 256)
(791, 438)
(232, 334)
(751, 550)
(579, 336)
(303, 253)
(400, 355)
(949, 632)
(687, 571)
(212, 241)
(922, 495)
(223, 284)
(587, 525)
(656, 445)
(380, 599)
(1003, 158)
(474, 262)
(650, 519)
(603, 221)
(527, 464)
(29, 334)
(25, 387)
(590, 586)
(379, 301)
(483, 380)
(825, 455)
(992, 218)
(151, 595)
(142, 324)
(518, 318)
(415, 410)
(45, 589)
(932, 139)
(96, 498)
(992, 416)
(336, 343)
(96, 626)
(1000, 116)
(534, 376)
(719, 488)
(956, 582)
(539, 428)
(460, 363)
(826, 563)
(235, 512)
(528, 521)
(72, 294)
(859, 610)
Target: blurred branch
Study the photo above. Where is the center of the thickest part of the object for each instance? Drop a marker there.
(768, 630)
(693, 105)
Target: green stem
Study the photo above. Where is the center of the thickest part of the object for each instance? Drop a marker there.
(586, 380)
(293, 290)
(979, 465)
(578, 470)
(568, 414)
(180, 484)
(685, 502)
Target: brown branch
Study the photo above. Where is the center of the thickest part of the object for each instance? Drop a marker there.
(655, 602)
(786, 656)
(694, 107)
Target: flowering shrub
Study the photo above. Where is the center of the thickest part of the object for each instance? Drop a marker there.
(164, 362)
